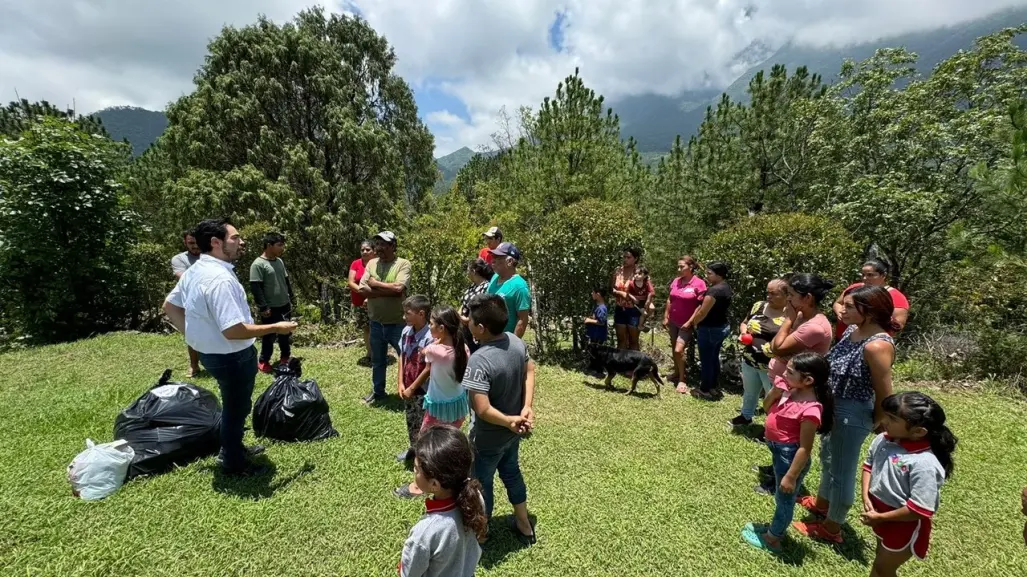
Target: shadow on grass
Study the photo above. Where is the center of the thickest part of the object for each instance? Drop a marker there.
(622, 392)
(391, 403)
(502, 542)
(751, 432)
(257, 487)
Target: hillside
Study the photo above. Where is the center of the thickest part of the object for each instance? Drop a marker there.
(139, 126)
(655, 120)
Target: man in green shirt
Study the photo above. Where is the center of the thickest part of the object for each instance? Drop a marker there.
(511, 286)
(384, 283)
(272, 292)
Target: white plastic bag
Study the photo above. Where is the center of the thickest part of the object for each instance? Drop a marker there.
(100, 470)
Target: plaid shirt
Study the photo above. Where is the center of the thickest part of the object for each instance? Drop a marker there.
(470, 293)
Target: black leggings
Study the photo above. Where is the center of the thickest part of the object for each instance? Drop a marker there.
(267, 342)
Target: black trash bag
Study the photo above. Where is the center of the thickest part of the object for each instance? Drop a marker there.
(291, 409)
(170, 425)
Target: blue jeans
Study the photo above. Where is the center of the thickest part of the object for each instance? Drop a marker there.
(503, 459)
(784, 454)
(381, 337)
(840, 453)
(235, 374)
(753, 381)
(710, 339)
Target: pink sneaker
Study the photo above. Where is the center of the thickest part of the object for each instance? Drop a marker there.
(264, 367)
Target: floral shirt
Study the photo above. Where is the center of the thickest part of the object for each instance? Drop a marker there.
(471, 292)
(850, 373)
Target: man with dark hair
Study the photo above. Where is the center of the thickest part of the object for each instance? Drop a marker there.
(272, 293)
(179, 264)
(209, 306)
(384, 283)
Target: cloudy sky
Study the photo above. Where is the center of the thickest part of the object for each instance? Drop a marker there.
(465, 59)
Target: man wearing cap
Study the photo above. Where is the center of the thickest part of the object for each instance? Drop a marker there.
(384, 283)
(511, 286)
(493, 238)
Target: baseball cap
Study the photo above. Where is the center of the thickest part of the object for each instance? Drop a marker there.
(493, 232)
(507, 249)
(387, 236)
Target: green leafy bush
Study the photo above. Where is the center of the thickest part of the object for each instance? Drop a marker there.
(577, 248)
(438, 245)
(64, 235)
(763, 247)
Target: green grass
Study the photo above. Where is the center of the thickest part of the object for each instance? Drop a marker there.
(620, 485)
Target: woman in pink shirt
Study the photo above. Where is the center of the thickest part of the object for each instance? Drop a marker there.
(686, 294)
(805, 329)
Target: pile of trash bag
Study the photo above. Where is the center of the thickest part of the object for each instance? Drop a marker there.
(291, 409)
(100, 470)
(170, 425)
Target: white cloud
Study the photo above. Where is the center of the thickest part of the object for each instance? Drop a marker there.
(486, 54)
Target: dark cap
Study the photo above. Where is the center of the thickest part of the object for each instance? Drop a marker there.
(507, 249)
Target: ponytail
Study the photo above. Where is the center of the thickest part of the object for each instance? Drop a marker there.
(472, 508)
(817, 368)
(943, 444)
(919, 410)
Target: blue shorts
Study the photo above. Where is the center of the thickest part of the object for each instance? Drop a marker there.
(627, 316)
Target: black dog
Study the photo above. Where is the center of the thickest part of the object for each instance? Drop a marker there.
(633, 364)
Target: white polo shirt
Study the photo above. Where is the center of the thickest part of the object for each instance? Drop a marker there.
(213, 301)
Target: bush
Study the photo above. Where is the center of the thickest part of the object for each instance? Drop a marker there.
(577, 249)
(438, 245)
(763, 247)
(152, 279)
(64, 236)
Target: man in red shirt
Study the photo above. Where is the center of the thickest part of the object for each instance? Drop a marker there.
(356, 271)
(874, 273)
(493, 238)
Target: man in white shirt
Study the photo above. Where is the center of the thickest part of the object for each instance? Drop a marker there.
(179, 264)
(209, 306)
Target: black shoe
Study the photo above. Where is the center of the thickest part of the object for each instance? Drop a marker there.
(761, 439)
(740, 421)
(405, 455)
(765, 471)
(364, 362)
(767, 489)
(526, 540)
(373, 399)
(250, 470)
(250, 452)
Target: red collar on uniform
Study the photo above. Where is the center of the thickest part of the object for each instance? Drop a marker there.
(439, 505)
(911, 446)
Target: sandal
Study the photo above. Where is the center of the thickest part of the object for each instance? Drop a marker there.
(404, 493)
(756, 536)
(817, 531)
(809, 503)
(525, 540)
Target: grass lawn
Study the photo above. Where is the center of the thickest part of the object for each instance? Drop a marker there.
(620, 485)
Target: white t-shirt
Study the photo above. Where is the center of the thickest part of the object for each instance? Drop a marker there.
(213, 301)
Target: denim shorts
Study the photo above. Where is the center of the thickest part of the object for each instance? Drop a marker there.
(627, 316)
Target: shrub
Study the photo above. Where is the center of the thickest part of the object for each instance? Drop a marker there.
(150, 267)
(438, 245)
(577, 248)
(763, 247)
(64, 236)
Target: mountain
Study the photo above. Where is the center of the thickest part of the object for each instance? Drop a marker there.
(451, 164)
(654, 120)
(139, 126)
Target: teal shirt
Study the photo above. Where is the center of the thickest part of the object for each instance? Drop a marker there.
(516, 295)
